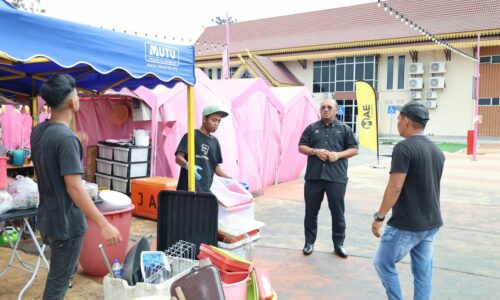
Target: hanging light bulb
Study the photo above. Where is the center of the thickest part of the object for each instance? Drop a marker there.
(406, 21)
(411, 24)
(385, 7)
(397, 16)
(391, 12)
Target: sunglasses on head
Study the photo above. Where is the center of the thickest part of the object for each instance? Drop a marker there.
(326, 107)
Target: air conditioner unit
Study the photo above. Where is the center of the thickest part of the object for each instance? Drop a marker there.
(415, 83)
(431, 95)
(416, 95)
(436, 82)
(437, 67)
(416, 68)
(430, 103)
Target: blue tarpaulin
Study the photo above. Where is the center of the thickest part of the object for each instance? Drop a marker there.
(32, 47)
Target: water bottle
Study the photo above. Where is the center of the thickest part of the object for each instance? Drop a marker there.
(117, 269)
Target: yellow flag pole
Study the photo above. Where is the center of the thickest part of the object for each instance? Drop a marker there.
(191, 181)
(34, 103)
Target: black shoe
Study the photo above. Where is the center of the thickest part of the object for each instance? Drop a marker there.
(308, 249)
(341, 251)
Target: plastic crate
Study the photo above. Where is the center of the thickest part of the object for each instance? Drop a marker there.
(104, 166)
(120, 185)
(186, 216)
(131, 154)
(244, 210)
(105, 151)
(131, 170)
(103, 180)
(144, 193)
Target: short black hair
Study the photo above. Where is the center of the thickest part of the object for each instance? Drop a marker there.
(57, 89)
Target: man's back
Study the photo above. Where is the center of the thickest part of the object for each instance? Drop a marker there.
(418, 206)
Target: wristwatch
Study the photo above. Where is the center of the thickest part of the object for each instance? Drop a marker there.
(378, 217)
(313, 152)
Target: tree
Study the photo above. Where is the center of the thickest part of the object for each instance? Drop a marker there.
(220, 21)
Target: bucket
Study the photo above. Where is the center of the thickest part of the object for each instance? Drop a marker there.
(19, 156)
(236, 291)
(90, 257)
(3, 172)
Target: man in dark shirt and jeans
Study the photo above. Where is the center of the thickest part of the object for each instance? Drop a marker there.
(57, 158)
(328, 143)
(413, 194)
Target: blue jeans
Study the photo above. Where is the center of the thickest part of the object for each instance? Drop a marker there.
(64, 256)
(394, 246)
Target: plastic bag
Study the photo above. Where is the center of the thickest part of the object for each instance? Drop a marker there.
(5, 201)
(24, 193)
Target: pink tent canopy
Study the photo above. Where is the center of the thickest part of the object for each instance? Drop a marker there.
(174, 112)
(257, 115)
(300, 111)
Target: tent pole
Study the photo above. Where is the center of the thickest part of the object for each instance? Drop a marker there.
(34, 103)
(191, 160)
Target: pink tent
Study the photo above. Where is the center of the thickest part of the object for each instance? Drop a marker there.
(174, 112)
(300, 111)
(257, 116)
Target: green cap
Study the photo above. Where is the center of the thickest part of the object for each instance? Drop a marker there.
(214, 109)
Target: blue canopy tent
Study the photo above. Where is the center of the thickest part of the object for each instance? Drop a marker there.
(33, 47)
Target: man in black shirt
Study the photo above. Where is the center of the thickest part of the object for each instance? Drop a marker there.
(328, 143)
(208, 156)
(57, 158)
(413, 194)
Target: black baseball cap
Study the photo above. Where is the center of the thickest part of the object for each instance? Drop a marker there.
(415, 111)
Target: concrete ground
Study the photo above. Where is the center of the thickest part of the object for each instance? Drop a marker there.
(466, 256)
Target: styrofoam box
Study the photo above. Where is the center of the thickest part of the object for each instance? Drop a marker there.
(137, 154)
(121, 185)
(103, 180)
(104, 166)
(119, 288)
(244, 210)
(105, 151)
(136, 169)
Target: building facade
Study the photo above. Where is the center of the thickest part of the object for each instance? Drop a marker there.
(327, 51)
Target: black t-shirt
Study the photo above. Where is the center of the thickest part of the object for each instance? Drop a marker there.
(336, 136)
(418, 206)
(56, 152)
(207, 156)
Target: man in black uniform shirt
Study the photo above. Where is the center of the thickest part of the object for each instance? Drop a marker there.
(328, 143)
(413, 194)
(208, 156)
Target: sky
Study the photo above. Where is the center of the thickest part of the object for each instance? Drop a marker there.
(180, 22)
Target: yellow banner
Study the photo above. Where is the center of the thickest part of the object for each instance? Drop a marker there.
(367, 116)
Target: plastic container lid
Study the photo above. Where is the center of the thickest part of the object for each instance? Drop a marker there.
(113, 200)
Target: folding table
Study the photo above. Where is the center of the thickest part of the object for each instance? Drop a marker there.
(23, 215)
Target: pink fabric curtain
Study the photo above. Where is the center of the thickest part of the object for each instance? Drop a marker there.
(16, 128)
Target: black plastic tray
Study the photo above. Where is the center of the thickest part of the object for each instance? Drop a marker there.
(186, 216)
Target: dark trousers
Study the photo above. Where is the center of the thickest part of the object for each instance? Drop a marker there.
(314, 192)
(64, 256)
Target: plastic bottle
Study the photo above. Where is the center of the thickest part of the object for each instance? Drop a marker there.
(117, 269)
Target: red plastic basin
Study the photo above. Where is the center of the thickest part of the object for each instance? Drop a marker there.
(91, 259)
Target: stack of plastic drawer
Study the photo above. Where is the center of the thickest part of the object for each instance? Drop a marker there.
(117, 165)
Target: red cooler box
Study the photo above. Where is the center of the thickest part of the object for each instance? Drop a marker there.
(144, 194)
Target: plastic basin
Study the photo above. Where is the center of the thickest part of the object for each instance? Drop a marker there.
(91, 259)
(236, 291)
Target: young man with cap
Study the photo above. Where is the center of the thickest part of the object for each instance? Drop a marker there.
(413, 195)
(208, 156)
(57, 158)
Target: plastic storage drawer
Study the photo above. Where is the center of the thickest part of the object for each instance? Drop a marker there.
(103, 180)
(120, 185)
(105, 151)
(131, 154)
(104, 166)
(244, 210)
(144, 194)
(131, 170)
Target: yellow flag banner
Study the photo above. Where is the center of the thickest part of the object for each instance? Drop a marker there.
(367, 116)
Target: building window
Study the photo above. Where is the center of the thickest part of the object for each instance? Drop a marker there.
(401, 72)
(232, 70)
(339, 75)
(350, 112)
(489, 102)
(390, 72)
(492, 59)
(219, 73)
(210, 73)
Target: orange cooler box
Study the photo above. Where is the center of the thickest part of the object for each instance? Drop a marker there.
(144, 194)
